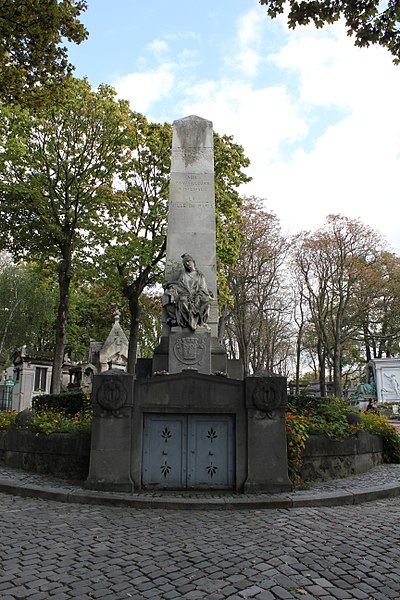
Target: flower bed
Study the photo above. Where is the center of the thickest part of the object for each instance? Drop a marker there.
(327, 440)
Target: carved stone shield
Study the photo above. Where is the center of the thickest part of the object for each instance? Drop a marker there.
(189, 350)
(111, 395)
(267, 396)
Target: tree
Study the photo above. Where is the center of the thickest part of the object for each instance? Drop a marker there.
(378, 306)
(134, 234)
(229, 162)
(300, 321)
(26, 310)
(368, 20)
(56, 169)
(93, 307)
(257, 322)
(31, 55)
(330, 262)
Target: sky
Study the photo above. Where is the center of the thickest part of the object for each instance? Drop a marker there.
(318, 118)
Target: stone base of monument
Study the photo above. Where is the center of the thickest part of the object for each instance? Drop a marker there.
(218, 361)
(189, 350)
(189, 431)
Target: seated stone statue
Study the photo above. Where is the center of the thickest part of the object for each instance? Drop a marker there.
(187, 300)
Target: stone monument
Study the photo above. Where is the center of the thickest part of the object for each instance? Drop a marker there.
(186, 425)
(190, 306)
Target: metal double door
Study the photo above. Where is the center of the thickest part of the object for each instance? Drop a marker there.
(188, 451)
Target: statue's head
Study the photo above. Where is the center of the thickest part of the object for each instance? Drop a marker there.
(188, 261)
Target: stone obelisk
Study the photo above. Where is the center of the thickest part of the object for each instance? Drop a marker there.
(191, 226)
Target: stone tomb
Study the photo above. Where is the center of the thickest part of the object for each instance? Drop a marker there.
(387, 379)
(188, 431)
(189, 426)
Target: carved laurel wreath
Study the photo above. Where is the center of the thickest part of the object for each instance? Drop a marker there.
(266, 397)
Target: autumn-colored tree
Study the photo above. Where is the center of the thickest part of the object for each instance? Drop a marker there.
(378, 306)
(56, 169)
(330, 261)
(257, 321)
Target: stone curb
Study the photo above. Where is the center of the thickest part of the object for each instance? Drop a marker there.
(246, 502)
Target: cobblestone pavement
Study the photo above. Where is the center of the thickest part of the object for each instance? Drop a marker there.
(58, 550)
(381, 482)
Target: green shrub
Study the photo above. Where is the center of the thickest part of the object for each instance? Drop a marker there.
(378, 425)
(302, 403)
(7, 419)
(296, 435)
(69, 403)
(52, 421)
(314, 416)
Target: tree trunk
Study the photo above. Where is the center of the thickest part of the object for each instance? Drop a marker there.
(222, 324)
(298, 358)
(64, 281)
(321, 364)
(337, 374)
(244, 357)
(135, 310)
(337, 360)
(368, 354)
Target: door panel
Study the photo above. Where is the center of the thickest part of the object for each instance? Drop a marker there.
(210, 451)
(188, 451)
(164, 451)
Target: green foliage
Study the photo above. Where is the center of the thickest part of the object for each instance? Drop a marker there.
(314, 416)
(229, 163)
(92, 313)
(300, 404)
(53, 421)
(378, 425)
(27, 310)
(7, 419)
(69, 403)
(296, 435)
(328, 417)
(57, 166)
(368, 20)
(55, 415)
(32, 60)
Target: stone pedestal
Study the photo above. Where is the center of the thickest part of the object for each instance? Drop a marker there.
(189, 350)
(266, 401)
(110, 455)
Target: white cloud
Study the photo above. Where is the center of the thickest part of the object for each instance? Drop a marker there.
(354, 165)
(249, 28)
(142, 89)
(248, 113)
(249, 35)
(158, 46)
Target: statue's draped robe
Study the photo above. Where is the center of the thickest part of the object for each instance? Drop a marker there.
(190, 298)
